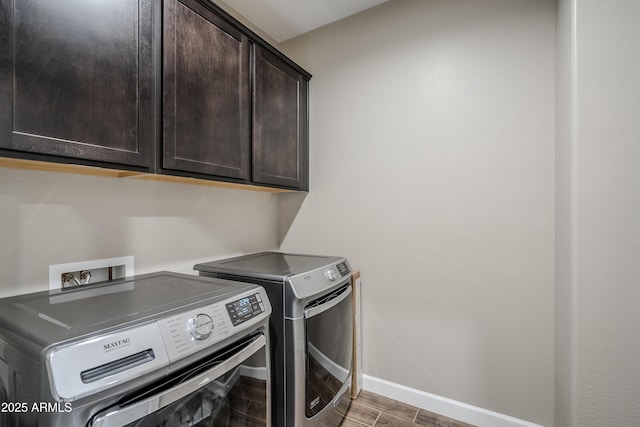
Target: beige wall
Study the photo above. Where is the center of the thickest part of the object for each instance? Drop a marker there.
(599, 276)
(432, 170)
(54, 218)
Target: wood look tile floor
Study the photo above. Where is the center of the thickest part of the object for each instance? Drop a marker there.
(372, 410)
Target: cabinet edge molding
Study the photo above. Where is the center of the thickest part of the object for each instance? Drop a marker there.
(36, 165)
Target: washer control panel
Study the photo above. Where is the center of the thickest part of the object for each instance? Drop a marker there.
(245, 308)
(91, 365)
(331, 274)
(194, 330)
(200, 326)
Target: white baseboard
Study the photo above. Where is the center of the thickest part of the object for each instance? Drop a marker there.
(442, 405)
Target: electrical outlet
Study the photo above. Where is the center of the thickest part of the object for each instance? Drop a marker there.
(63, 276)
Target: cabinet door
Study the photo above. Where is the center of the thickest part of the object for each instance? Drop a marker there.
(206, 93)
(280, 136)
(76, 80)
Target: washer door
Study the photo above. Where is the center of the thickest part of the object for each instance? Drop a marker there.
(223, 389)
(329, 328)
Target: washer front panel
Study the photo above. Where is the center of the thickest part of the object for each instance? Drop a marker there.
(68, 365)
(91, 365)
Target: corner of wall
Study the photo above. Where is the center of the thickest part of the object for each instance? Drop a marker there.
(565, 246)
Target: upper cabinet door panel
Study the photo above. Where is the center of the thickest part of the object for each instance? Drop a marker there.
(206, 93)
(82, 77)
(280, 140)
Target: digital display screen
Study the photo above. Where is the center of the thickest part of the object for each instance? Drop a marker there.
(245, 308)
(242, 306)
(343, 268)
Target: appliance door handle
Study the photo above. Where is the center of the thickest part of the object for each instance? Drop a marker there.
(128, 414)
(314, 311)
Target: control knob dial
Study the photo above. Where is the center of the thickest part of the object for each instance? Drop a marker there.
(331, 274)
(200, 326)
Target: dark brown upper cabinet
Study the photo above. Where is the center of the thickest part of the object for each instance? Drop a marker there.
(177, 87)
(280, 136)
(232, 108)
(206, 98)
(76, 81)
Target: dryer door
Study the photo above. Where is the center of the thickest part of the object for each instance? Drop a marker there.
(329, 328)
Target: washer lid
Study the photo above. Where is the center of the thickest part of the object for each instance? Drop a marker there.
(273, 266)
(40, 319)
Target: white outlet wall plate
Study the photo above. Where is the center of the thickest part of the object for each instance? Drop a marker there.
(56, 270)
